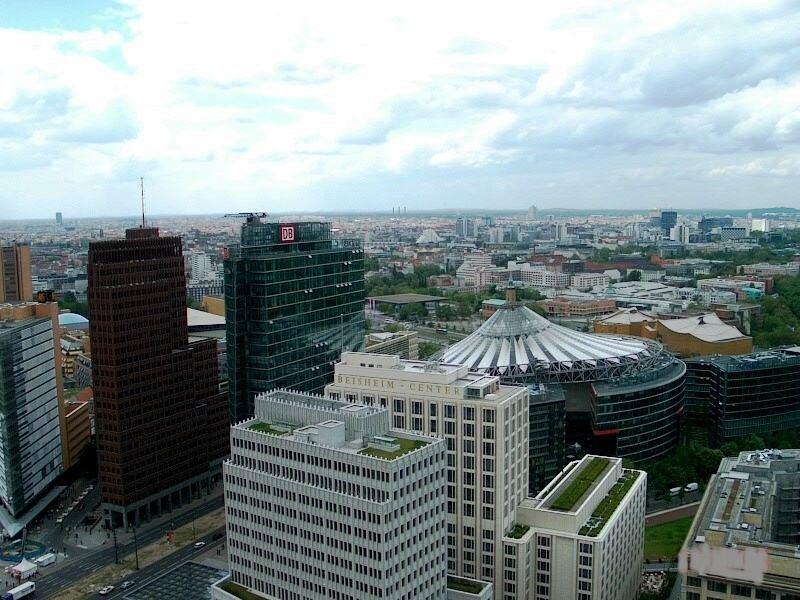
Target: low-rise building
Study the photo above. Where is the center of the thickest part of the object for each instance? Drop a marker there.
(766, 269)
(578, 307)
(587, 281)
(702, 335)
(404, 344)
(743, 542)
(628, 321)
(324, 499)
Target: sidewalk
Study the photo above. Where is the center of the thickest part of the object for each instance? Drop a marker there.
(82, 539)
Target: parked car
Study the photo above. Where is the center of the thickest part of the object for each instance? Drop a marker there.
(199, 545)
(691, 487)
(126, 584)
(106, 590)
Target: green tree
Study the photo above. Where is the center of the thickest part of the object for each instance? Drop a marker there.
(413, 310)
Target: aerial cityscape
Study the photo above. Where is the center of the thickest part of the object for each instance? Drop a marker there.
(404, 302)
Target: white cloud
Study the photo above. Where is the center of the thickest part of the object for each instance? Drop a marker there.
(264, 99)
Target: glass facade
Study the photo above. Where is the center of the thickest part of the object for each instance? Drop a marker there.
(294, 300)
(30, 439)
(546, 434)
(641, 412)
(734, 396)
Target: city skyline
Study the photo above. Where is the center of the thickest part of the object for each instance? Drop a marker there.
(651, 104)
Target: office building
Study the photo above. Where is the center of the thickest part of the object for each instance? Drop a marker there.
(31, 417)
(587, 281)
(294, 300)
(546, 434)
(161, 419)
(323, 499)
(59, 219)
(404, 344)
(581, 537)
(485, 427)
(709, 224)
(533, 213)
(767, 269)
(465, 228)
(743, 542)
(669, 219)
(16, 282)
(734, 396)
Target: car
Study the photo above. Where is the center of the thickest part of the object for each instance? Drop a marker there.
(198, 545)
(126, 584)
(104, 591)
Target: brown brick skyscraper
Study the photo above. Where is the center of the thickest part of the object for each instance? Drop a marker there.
(162, 427)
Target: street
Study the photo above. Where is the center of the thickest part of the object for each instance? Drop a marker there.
(70, 572)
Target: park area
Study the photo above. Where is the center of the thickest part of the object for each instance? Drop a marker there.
(663, 542)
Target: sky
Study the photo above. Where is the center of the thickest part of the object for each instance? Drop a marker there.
(331, 106)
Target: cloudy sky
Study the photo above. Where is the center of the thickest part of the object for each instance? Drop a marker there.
(291, 106)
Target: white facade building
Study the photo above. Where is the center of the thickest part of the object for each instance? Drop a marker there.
(587, 281)
(485, 426)
(543, 279)
(581, 537)
(467, 272)
(323, 500)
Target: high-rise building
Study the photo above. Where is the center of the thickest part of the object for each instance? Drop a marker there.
(161, 419)
(485, 426)
(669, 218)
(546, 435)
(59, 219)
(533, 213)
(324, 500)
(743, 542)
(31, 415)
(294, 300)
(16, 282)
(465, 227)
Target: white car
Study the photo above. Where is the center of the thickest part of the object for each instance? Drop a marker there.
(199, 545)
(106, 590)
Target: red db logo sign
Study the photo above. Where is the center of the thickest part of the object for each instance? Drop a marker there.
(287, 233)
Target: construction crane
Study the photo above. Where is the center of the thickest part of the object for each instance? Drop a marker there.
(251, 217)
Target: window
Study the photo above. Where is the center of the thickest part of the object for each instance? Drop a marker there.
(449, 411)
(399, 405)
(434, 408)
(717, 586)
(741, 590)
(693, 581)
(468, 412)
(488, 415)
(416, 408)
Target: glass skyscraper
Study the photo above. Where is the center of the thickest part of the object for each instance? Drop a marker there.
(294, 300)
(30, 439)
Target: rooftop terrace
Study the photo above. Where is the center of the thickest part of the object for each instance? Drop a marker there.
(571, 492)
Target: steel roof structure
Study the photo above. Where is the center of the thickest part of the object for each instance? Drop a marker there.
(519, 345)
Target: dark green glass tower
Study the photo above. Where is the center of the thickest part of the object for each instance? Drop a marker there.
(294, 300)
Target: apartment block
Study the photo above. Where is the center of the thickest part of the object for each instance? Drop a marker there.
(542, 279)
(581, 537)
(743, 542)
(324, 500)
(485, 428)
(404, 344)
(587, 281)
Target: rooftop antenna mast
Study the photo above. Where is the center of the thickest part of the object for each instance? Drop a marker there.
(141, 182)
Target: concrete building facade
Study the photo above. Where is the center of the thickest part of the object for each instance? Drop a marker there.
(485, 427)
(324, 500)
(16, 282)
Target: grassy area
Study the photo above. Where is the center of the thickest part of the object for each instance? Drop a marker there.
(610, 503)
(518, 531)
(239, 591)
(462, 585)
(406, 446)
(665, 540)
(267, 428)
(567, 500)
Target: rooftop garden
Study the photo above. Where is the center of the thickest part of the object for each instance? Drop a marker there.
(518, 531)
(406, 446)
(267, 428)
(236, 590)
(609, 504)
(569, 498)
(464, 585)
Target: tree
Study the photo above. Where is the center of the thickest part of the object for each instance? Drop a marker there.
(633, 275)
(445, 312)
(413, 310)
